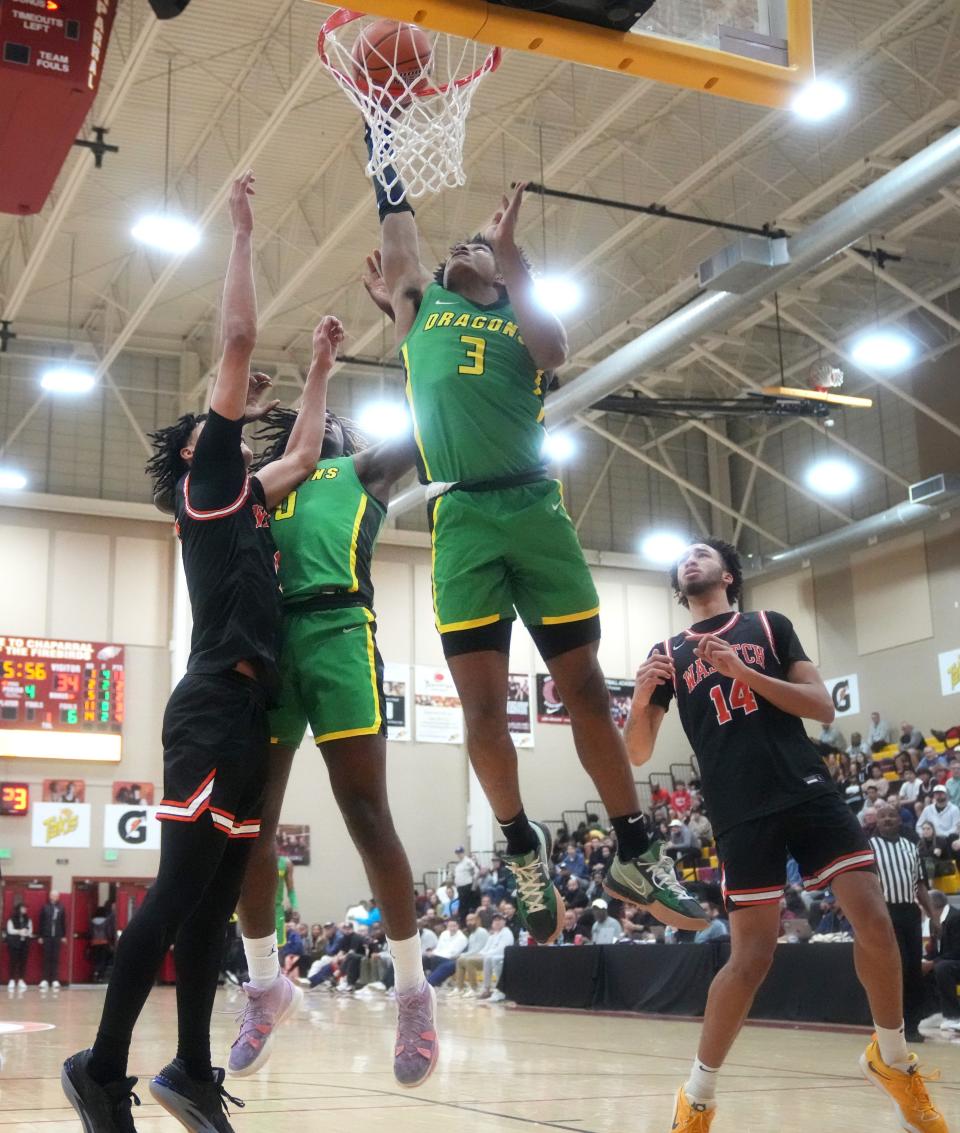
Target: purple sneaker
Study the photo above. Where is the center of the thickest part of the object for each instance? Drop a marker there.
(417, 1043)
(264, 1012)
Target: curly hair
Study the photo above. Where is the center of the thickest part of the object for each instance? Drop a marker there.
(477, 238)
(731, 564)
(166, 466)
(278, 425)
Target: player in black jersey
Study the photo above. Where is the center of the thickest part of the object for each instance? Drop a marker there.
(215, 734)
(743, 686)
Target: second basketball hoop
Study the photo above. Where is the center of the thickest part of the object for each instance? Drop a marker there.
(414, 90)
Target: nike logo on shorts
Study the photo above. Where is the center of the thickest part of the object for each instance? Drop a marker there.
(639, 818)
(351, 629)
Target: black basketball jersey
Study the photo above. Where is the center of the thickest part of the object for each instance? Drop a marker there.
(229, 558)
(755, 759)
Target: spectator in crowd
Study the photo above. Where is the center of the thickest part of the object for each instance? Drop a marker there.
(880, 733)
(946, 966)
(931, 759)
(449, 902)
(103, 936)
(681, 800)
(428, 938)
(509, 910)
(486, 961)
(910, 788)
(606, 929)
(485, 911)
(425, 901)
(953, 783)
(53, 932)
(682, 846)
(827, 917)
(571, 930)
(573, 860)
(871, 795)
(911, 737)
(358, 913)
(831, 739)
(574, 894)
(868, 817)
(451, 943)
(496, 881)
(876, 778)
(659, 796)
(466, 874)
(858, 748)
(476, 940)
(699, 825)
(942, 814)
(19, 934)
(717, 929)
(794, 915)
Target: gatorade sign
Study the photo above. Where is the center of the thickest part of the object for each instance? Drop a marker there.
(128, 827)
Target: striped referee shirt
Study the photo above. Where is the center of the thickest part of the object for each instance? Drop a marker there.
(900, 871)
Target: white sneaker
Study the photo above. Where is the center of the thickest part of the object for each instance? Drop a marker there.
(496, 997)
(377, 985)
(453, 992)
(55, 985)
(468, 993)
(43, 985)
(952, 1025)
(12, 985)
(22, 985)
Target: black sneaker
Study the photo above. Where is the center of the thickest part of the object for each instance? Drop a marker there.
(102, 1109)
(200, 1107)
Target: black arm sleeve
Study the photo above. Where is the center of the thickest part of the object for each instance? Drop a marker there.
(218, 475)
(662, 694)
(788, 646)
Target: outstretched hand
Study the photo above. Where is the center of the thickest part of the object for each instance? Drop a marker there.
(241, 208)
(376, 285)
(255, 410)
(327, 340)
(501, 229)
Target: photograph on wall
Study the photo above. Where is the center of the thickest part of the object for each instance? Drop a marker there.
(551, 710)
(58, 825)
(621, 694)
(949, 666)
(293, 842)
(64, 790)
(132, 792)
(518, 709)
(127, 826)
(439, 718)
(845, 694)
(396, 695)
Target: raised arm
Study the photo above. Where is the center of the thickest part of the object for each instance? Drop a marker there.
(381, 466)
(299, 460)
(239, 311)
(542, 331)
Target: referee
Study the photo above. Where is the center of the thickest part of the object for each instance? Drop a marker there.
(905, 891)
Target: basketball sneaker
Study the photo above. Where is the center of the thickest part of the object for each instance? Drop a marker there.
(200, 1107)
(417, 1047)
(691, 1117)
(650, 881)
(907, 1090)
(102, 1109)
(263, 1013)
(539, 905)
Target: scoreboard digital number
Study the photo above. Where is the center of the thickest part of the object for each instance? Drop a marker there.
(61, 699)
(14, 798)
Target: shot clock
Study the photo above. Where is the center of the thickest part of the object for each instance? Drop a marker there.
(14, 798)
(61, 699)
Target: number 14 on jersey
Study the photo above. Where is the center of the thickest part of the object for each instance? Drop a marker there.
(741, 696)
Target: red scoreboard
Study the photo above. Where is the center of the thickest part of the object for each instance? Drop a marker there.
(61, 699)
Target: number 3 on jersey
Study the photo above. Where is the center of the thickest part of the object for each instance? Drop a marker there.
(741, 696)
(476, 350)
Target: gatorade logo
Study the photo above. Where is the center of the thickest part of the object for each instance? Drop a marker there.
(132, 827)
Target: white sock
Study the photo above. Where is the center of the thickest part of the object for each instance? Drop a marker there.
(407, 964)
(893, 1046)
(701, 1086)
(263, 960)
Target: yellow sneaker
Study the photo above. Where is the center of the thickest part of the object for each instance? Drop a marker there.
(907, 1089)
(692, 1117)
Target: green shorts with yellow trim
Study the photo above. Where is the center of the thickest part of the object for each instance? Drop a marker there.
(331, 677)
(509, 549)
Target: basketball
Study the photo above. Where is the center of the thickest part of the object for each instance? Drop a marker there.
(386, 50)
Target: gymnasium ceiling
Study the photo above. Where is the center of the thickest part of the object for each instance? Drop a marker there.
(247, 90)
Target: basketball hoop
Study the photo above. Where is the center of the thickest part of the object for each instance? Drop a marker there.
(417, 119)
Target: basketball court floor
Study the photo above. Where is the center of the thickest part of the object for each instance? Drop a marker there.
(501, 1069)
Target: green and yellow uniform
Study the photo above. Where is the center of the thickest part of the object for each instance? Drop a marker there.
(331, 673)
(283, 864)
(502, 539)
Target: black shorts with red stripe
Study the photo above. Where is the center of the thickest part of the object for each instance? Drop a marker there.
(822, 835)
(216, 741)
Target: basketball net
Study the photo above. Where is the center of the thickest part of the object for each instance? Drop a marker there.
(417, 122)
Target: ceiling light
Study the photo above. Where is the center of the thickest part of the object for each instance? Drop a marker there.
(384, 419)
(11, 480)
(558, 294)
(67, 379)
(832, 477)
(882, 350)
(558, 447)
(663, 547)
(166, 233)
(819, 100)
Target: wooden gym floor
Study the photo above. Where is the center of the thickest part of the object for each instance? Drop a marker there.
(501, 1070)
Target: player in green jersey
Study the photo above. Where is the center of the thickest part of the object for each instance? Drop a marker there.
(476, 344)
(285, 889)
(332, 678)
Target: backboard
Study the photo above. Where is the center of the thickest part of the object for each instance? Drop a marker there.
(756, 51)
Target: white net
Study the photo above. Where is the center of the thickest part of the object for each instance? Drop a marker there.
(415, 106)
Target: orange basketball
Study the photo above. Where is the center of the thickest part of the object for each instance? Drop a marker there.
(385, 49)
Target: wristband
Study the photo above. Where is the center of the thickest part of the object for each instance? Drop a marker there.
(392, 200)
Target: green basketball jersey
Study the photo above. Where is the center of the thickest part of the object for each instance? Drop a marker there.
(326, 531)
(475, 394)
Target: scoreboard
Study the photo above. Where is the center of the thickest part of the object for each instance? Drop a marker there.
(61, 699)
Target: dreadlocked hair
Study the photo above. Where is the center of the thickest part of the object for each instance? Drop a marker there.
(479, 238)
(278, 425)
(731, 564)
(166, 466)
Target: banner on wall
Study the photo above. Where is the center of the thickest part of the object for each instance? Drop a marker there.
(396, 695)
(439, 718)
(293, 842)
(551, 710)
(949, 664)
(59, 826)
(518, 709)
(130, 827)
(845, 694)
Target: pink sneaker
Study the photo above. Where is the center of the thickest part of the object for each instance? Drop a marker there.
(264, 1012)
(417, 1044)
